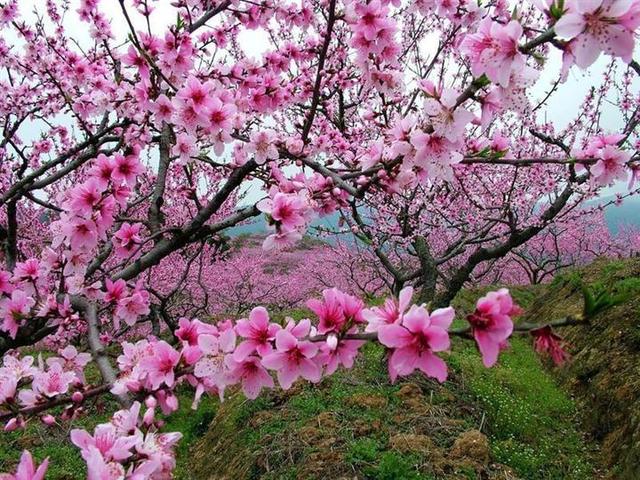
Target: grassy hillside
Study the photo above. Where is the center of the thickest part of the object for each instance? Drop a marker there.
(604, 373)
(509, 422)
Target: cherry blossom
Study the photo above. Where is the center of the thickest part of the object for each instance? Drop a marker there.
(415, 340)
(491, 323)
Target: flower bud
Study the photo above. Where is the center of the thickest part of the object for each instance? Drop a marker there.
(48, 420)
(149, 416)
(77, 397)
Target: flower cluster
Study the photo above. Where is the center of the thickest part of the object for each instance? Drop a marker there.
(611, 160)
(129, 446)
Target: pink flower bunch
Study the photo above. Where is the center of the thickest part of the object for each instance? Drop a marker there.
(493, 50)
(128, 305)
(25, 384)
(611, 164)
(287, 214)
(89, 213)
(373, 31)
(337, 312)
(596, 26)
(198, 107)
(128, 446)
(492, 325)
(15, 310)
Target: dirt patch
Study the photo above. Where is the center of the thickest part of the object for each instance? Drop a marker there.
(472, 445)
(367, 401)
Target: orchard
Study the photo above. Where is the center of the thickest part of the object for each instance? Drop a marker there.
(137, 134)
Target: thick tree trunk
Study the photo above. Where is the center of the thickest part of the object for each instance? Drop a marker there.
(428, 269)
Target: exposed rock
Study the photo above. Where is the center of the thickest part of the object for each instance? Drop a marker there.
(472, 445)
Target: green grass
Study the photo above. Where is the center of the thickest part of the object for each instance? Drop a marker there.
(531, 421)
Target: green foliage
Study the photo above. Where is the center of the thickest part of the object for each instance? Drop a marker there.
(598, 299)
(393, 466)
(192, 424)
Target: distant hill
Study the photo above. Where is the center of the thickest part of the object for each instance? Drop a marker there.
(627, 213)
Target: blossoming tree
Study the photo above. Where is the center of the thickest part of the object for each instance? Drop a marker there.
(130, 146)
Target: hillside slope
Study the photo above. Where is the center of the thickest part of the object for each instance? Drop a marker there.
(481, 424)
(604, 373)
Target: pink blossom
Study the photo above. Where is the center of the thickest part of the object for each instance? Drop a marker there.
(599, 26)
(211, 368)
(286, 210)
(162, 109)
(107, 440)
(258, 332)
(251, 373)
(189, 332)
(491, 323)
(281, 239)
(546, 341)
(14, 310)
(221, 115)
(293, 357)
(102, 170)
(126, 169)
(85, 197)
(27, 470)
(98, 468)
(493, 50)
(18, 367)
(611, 165)
(195, 95)
(5, 284)
(126, 421)
(390, 312)
(329, 311)
(415, 341)
(53, 381)
(81, 233)
(160, 366)
(8, 385)
(343, 354)
(127, 238)
(185, 147)
(71, 360)
(115, 290)
(447, 118)
(29, 270)
(262, 145)
(131, 307)
(435, 154)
